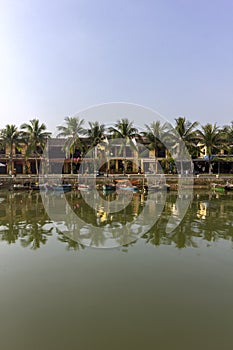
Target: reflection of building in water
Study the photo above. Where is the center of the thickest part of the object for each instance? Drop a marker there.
(174, 209)
(136, 202)
(129, 212)
(102, 216)
(202, 210)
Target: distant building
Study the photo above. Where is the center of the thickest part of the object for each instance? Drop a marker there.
(108, 159)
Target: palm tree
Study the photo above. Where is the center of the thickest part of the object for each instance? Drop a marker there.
(124, 129)
(72, 131)
(184, 134)
(187, 131)
(155, 134)
(36, 137)
(228, 131)
(11, 137)
(213, 139)
(95, 133)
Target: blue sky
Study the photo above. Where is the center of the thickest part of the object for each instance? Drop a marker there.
(59, 57)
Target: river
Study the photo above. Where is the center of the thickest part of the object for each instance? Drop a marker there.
(159, 291)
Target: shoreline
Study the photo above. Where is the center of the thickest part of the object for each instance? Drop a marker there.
(199, 181)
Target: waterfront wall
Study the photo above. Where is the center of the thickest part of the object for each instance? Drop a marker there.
(203, 181)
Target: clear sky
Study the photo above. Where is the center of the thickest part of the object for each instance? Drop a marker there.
(59, 57)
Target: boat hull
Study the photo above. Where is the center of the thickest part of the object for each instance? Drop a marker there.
(109, 187)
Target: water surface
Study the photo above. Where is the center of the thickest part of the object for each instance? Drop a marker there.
(164, 291)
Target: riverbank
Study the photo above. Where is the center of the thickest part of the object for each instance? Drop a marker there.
(199, 181)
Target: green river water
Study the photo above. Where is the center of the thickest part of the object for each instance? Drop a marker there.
(163, 291)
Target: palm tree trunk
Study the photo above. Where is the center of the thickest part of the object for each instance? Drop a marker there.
(156, 163)
(37, 171)
(181, 167)
(11, 159)
(71, 163)
(10, 165)
(209, 162)
(124, 164)
(210, 166)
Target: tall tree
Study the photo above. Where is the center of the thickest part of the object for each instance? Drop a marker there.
(187, 131)
(183, 139)
(11, 138)
(36, 136)
(124, 129)
(228, 131)
(71, 132)
(95, 133)
(155, 134)
(213, 138)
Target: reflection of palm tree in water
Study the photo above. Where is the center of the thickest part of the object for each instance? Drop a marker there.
(10, 232)
(70, 244)
(210, 228)
(25, 219)
(34, 235)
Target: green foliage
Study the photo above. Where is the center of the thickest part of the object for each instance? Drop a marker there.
(71, 132)
(36, 136)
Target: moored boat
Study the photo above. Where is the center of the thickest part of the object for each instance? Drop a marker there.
(229, 186)
(222, 188)
(62, 187)
(19, 187)
(84, 187)
(156, 188)
(109, 187)
(125, 185)
(218, 187)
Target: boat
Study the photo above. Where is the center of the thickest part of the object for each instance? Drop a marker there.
(136, 182)
(222, 188)
(229, 187)
(62, 187)
(19, 187)
(84, 187)
(125, 185)
(156, 188)
(109, 187)
(163, 187)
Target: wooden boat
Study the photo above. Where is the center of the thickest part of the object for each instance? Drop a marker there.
(218, 187)
(62, 187)
(84, 187)
(125, 185)
(222, 188)
(229, 187)
(19, 187)
(136, 182)
(109, 187)
(156, 188)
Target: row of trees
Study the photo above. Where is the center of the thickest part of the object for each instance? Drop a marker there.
(194, 136)
(33, 134)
